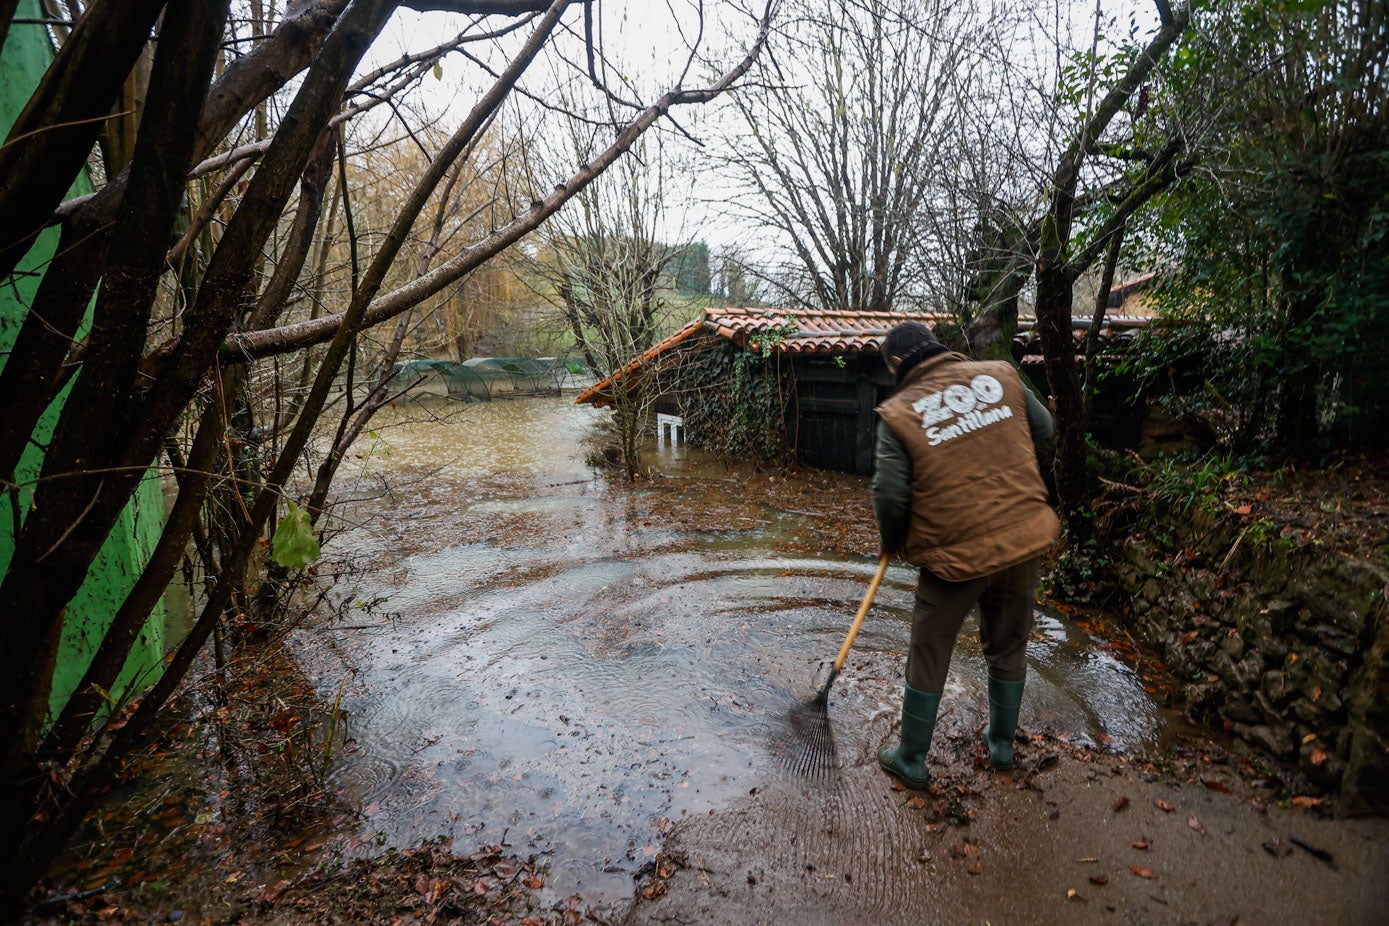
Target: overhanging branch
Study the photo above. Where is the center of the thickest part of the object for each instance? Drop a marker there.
(254, 345)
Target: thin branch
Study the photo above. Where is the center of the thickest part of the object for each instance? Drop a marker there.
(253, 345)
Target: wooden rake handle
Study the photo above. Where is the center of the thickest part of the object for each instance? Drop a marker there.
(862, 613)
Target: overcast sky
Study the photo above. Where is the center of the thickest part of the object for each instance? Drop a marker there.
(648, 42)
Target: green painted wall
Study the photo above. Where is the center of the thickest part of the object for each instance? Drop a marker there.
(26, 54)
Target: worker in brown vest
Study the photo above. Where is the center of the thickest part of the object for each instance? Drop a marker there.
(957, 491)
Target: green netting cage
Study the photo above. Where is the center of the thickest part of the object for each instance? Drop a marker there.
(487, 377)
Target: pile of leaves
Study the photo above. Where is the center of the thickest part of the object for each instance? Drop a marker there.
(227, 822)
(427, 884)
(1342, 504)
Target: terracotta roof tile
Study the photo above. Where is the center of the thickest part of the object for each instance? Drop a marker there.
(597, 393)
(817, 331)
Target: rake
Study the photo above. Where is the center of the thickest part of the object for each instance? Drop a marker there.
(809, 737)
(822, 700)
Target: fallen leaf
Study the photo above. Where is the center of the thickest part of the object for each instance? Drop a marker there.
(534, 883)
(1140, 844)
(1142, 872)
(284, 720)
(917, 803)
(1120, 804)
(1189, 638)
(1162, 805)
(1194, 823)
(1073, 894)
(965, 850)
(977, 868)
(1100, 880)
(1242, 509)
(1311, 736)
(1305, 800)
(1216, 785)
(1318, 756)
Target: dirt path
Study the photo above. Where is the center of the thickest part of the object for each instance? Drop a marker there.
(1086, 839)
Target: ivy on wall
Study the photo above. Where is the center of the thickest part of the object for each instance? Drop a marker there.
(734, 400)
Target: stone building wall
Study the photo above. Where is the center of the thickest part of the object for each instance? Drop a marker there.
(1284, 642)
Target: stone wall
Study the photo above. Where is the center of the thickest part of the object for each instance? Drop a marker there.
(1283, 641)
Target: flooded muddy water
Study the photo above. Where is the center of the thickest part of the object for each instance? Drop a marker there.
(539, 656)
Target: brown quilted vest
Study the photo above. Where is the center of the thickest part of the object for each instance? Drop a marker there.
(978, 501)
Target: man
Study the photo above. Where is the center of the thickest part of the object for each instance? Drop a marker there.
(957, 492)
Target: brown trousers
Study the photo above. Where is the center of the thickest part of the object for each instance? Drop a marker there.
(1005, 601)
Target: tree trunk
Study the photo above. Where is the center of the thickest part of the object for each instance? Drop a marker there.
(1073, 480)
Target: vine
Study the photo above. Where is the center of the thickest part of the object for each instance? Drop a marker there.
(734, 400)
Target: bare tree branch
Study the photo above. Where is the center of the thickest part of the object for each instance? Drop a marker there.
(293, 337)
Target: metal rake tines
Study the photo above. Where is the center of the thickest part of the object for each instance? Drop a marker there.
(805, 744)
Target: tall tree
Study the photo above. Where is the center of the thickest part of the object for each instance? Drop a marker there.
(152, 360)
(837, 153)
(612, 276)
(1279, 240)
(1059, 264)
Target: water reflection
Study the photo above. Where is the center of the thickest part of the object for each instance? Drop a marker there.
(571, 672)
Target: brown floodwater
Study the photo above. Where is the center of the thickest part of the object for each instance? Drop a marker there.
(542, 656)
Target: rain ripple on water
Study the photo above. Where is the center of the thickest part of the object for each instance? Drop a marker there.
(577, 690)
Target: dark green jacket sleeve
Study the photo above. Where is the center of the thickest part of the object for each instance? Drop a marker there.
(892, 489)
(1039, 419)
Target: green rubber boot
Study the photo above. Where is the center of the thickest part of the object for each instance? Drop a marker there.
(1004, 700)
(907, 761)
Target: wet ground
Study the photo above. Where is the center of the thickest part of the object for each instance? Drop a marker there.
(546, 662)
(583, 667)
(1084, 840)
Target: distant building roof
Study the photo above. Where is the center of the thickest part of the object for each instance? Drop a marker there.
(1027, 343)
(816, 331)
(1122, 292)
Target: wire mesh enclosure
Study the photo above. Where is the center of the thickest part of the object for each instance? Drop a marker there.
(481, 378)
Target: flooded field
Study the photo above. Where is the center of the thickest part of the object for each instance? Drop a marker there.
(537, 655)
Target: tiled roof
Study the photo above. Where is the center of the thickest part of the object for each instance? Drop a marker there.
(598, 393)
(817, 331)
(1026, 338)
(1027, 323)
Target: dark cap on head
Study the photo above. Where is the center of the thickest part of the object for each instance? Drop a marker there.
(910, 343)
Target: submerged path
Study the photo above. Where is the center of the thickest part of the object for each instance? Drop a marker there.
(600, 674)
